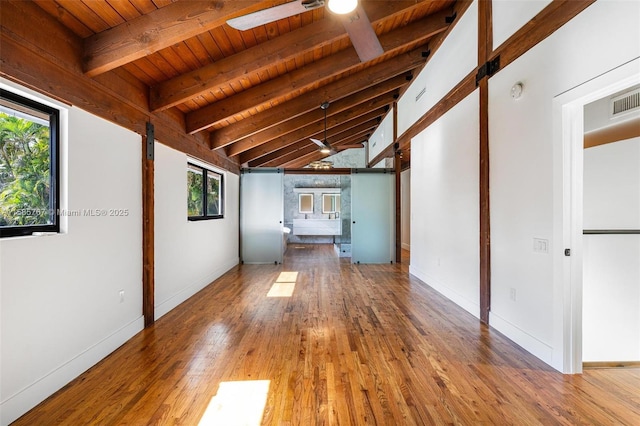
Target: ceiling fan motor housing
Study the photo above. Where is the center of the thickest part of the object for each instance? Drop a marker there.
(312, 4)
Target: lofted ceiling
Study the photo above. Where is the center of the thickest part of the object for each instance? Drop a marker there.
(257, 93)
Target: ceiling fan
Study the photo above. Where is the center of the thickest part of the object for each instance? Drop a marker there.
(325, 147)
(355, 21)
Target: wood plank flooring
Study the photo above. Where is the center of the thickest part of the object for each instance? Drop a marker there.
(352, 345)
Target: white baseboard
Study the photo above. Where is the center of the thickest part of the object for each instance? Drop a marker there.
(446, 291)
(24, 400)
(191, 289)
(520, 337)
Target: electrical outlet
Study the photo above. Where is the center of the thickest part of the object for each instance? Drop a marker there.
(121, 296)
(512, 294)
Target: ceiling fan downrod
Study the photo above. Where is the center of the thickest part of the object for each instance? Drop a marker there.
(324, 107)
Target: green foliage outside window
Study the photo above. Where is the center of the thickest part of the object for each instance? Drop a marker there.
(213, 195)
(194, 192)
(204, 193)
(25, 172)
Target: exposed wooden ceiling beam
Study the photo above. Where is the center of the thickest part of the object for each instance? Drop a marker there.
(316, 114)
(336, 127)
(309, 123)
(359, 130)
(159, 29)
(300, 157)
(260, 57)
(48, 60)
(304, 159)
(314, 74)
(331, 92)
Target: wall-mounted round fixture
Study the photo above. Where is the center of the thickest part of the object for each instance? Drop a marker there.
(342, 7)
(516, 90)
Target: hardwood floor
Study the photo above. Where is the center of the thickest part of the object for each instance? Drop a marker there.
(352, 345)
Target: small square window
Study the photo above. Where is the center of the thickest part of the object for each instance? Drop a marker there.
(204, 193)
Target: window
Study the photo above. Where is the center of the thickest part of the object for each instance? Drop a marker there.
(204, 193)
(29, 181)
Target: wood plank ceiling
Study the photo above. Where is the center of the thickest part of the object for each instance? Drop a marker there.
(257, 93)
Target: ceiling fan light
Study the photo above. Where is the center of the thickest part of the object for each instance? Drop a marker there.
(321, 164)
(342, 7)
(325, 150)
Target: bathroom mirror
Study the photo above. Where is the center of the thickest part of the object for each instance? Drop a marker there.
(305, 203)
(330, 203)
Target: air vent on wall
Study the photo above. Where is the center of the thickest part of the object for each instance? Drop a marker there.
(625, 103)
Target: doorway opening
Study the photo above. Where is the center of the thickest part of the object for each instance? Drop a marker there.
(611, 231)
(569, 196)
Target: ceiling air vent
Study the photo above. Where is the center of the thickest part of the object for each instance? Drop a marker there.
(625, 103)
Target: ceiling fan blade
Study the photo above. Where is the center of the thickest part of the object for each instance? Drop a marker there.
(265, 16)
(318, 142)
(363, 38)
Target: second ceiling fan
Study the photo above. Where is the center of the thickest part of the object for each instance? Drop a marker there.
(324, 145)
(354, 19)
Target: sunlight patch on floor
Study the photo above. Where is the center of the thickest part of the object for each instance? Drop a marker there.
(238, 403)
(287, 277)
(284, 285)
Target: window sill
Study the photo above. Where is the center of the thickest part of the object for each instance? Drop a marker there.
(199, 218)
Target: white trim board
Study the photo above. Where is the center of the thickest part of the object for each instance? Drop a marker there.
(167, 305)
(447, 292)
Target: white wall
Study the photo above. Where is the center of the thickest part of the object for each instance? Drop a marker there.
(456, 57)
(61, 310)
(189, 254)
(612, 186)
(382, 137)
(444, 171)
(405, 208)
(611, 280)
(523, 177)
(445, 204)
(509, 16)
(62, 314)
(527, 291)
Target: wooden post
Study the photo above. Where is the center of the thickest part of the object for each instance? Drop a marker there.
(148, 263)
(397, 162)
(485, 42)
(398, 166)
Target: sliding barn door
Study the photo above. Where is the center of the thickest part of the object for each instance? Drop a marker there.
(372, 216)
(261, 216)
